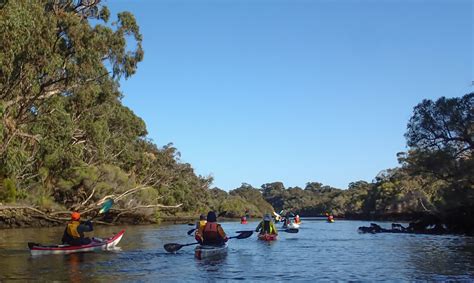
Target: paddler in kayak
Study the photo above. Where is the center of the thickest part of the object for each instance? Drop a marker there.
(201, 223)
(74, 232)
(266, 226)
(330, 218)
(211, 233)
(297, 219)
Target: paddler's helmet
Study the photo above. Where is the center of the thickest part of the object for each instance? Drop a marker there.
(202, 217)
(267, 217)
(75, 216)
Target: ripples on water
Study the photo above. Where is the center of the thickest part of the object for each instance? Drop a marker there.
(320, 251)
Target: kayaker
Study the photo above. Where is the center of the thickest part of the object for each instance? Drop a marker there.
(202, 222)
(266, 226)
(243, 220)
(212, 233)
(74, 232)
(330, 218)
(297, 219)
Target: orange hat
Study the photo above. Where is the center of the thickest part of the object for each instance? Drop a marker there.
(75, 216)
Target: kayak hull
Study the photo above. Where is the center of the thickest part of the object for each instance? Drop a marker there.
(330, 221)
(210, 252)
(95, 245)
(291, 226)
(267, 237)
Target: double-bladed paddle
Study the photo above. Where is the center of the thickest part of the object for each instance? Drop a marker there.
(173, 247)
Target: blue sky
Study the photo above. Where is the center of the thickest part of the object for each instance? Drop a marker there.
(296, 91)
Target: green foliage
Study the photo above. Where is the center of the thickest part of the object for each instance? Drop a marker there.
(8, 191)
(66, 138)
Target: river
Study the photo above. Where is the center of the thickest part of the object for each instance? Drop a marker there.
(320, 251)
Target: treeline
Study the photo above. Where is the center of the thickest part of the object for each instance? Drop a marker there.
(66, 140)
(435, 177)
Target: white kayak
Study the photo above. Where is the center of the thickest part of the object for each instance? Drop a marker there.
(208, 252)
(95, 245)
(291, 226)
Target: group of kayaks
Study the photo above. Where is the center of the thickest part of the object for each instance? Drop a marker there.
(201, 251)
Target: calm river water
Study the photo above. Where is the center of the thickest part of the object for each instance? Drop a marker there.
(320, 251)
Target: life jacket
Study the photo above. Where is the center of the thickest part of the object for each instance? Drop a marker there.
(210, 233)
(202, 223)
(267, 228)
(71, 229)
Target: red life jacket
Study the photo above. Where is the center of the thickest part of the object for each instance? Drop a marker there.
(209, 233)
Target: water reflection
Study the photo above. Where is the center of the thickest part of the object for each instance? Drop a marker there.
(320, 251)
(74, 266)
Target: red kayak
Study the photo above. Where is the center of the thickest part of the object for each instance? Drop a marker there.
(267, 237)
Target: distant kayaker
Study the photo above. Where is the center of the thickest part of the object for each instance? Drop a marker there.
(330, 218)
(266, 226)
(202, 222)
(74, 232)
(297, 219)
(243, 220)
(211, 233)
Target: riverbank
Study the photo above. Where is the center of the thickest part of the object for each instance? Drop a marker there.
(30, 217)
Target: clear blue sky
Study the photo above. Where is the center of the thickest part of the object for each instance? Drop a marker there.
(258, 91)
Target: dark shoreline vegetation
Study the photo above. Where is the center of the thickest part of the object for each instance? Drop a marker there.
(68, 142)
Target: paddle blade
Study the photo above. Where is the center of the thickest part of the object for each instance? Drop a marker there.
(292, 230)
(172, 247)
(106, 206)
(244, 235)
(244, 231)
(191, 231)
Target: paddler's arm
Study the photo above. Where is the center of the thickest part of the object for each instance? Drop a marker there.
(84, 227)
(198, 235)
(259, 226)
(221, 232)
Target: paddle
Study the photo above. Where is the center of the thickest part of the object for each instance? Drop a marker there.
(173, 247)
(194, 229)
(105, 208)
(289, 230)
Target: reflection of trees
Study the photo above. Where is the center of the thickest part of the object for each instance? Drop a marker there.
(434, 257)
